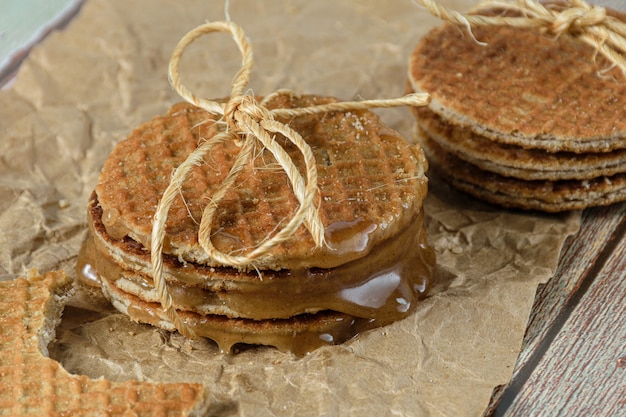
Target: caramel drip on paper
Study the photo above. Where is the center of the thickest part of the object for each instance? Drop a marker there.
(372, 291)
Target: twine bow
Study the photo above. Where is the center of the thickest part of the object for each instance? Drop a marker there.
(589, 23)
(248, 122)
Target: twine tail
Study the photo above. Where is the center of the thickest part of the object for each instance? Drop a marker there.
(180, 174)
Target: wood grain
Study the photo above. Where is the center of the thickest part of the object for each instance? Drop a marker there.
(573, 359)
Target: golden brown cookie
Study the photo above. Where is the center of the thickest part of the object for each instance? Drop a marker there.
(31, 384)
(523, 88)
(373, 269)
(515, 161)
(367, 174)
(268, 294)
(549, 196)
(521, 119)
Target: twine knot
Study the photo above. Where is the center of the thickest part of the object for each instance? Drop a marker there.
(244, 105)
(576, 18)
(249, 123)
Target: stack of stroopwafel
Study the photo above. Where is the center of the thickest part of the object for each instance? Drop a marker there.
(31, 384)
(522, 119)
(373, 269)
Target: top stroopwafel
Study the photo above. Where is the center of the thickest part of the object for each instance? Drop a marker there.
(34, 385)
(523, 88)
(371, 181)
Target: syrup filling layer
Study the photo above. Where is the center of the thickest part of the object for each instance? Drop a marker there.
(294, 310)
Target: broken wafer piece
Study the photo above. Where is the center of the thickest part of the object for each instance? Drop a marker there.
(520, 117)
(31, 384)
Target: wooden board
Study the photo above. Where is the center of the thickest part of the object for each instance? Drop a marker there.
(573, 359)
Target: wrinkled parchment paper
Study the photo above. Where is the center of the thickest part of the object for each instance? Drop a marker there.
(85, 87)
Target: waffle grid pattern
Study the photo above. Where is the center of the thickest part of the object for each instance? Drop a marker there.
(365, 171)
(522, 120)
(530, 87)
(34, 385)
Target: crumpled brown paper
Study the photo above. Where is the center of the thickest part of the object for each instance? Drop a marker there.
(84, 88)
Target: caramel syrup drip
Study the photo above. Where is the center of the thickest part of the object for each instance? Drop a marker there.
(372, 291)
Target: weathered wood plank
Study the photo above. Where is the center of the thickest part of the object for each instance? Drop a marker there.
(581, 372)
(579, 257)
(583, 259)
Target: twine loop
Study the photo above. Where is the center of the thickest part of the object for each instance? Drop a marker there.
(589, 23)
(249, 123)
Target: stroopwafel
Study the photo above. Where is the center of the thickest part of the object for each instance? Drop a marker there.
(374, 267)
(31, 384)
(522, 119)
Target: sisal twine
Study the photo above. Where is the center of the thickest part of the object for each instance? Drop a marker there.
(248, 122)
(589, 23)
